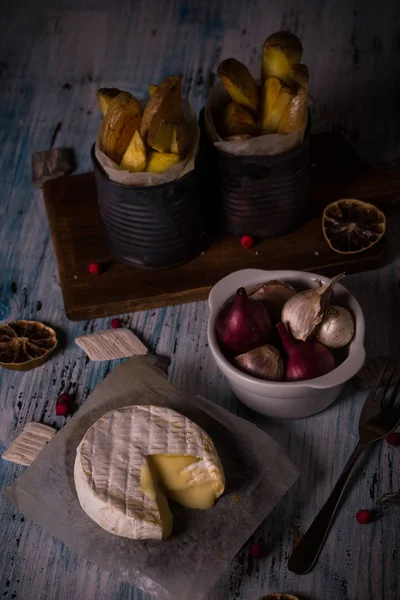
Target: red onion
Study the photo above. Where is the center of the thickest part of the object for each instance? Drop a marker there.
(305, 360)
(243, 324)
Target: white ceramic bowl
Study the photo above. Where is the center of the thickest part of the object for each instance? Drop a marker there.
(287, 400)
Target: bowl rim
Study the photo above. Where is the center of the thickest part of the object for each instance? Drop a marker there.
(223, 290)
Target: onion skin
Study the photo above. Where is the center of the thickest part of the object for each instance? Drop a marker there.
(305, 360)
(243, 324)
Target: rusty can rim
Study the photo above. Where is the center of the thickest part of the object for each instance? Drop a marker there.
(104, 175)
(272, 157)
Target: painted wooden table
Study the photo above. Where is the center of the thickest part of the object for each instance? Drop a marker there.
(52, 60)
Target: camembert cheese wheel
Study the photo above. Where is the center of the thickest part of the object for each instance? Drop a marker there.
(133, 458)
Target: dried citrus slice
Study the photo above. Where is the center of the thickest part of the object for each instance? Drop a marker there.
(352, 226)
(278, 597)
(25, 345)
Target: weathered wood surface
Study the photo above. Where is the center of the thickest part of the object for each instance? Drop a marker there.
(78, 240)
(53, 58)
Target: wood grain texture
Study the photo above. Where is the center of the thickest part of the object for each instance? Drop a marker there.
(54, 55)
(78, 240)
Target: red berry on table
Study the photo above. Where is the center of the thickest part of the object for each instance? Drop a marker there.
(62, 409)
(364, 516)
(94, 268)
(247, 241)
(116, 323)
(393, 439)
(257, 550)
(63, 398)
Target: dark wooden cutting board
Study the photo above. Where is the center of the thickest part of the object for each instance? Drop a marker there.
(78, 240)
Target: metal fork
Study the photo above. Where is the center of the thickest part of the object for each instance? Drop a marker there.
(380, 415)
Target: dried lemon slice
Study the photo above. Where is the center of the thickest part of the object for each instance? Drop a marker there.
(352, 226)
(279, 597)
(25, 345)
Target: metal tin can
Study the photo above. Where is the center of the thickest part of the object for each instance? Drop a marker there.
(152, 227)
(263, 196)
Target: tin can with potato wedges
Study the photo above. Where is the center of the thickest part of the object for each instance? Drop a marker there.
(148, 167)
(258, 141)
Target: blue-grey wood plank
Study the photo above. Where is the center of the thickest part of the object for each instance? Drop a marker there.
(53, 57)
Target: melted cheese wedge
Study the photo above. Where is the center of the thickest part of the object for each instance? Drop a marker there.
(133, 459)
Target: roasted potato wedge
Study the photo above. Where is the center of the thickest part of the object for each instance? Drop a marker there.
(300, 74)
(289, 43)
(180, 139)
(152, 106)
(159, 162)
(160, 135)
(134, 159)
(164, 103)
(152, 88)
(236, 119)
(120, 122)
(165, 118)
(272, 118)
(280, 51)
(105, 96)
(271, 86)
(239, 82)
(171, 80)
(237, 137)
(295, 114)
(276, 64)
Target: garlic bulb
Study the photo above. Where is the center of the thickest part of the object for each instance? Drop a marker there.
(263, 362)
(304, 312)
(274, 294)
(336, 328)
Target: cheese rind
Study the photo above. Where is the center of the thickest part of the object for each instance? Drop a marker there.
(26, 447)
(132, 458)
(111, 344)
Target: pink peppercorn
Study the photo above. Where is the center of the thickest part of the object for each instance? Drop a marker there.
(62, 409)
(94, 268)
(364, 516)
(63, 398)
(247, 241)
(257, 550)
(393, 439)
(116, 323)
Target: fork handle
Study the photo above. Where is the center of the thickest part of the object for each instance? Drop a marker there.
(305, 555)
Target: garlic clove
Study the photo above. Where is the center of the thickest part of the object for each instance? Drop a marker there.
(304, 312)
(264, 362)
(337, 327)
(274, 294)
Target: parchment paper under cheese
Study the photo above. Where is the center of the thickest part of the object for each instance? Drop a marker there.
(187, 565)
